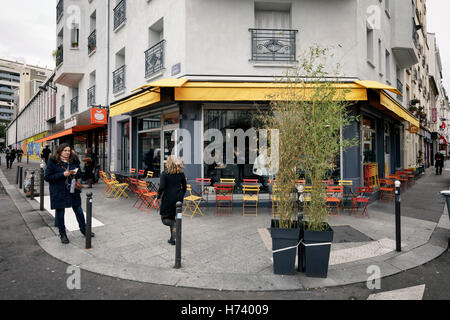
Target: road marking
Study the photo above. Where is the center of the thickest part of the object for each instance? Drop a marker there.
(411, 293)
(266, 238)
(70, 220)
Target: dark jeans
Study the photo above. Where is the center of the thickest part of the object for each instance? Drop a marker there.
(438, 169)
(60, 219)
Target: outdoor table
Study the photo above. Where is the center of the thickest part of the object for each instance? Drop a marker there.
(153, 183)
(202, 185)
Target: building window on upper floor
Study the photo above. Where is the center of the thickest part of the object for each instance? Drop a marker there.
(388, 67)
(74, 36)
(92, 39)
(91, 90)
(119, 73)
(74, 102)
(370, 39)
(273, 39)
(61, 113)
(380, 58)
(154, 56)
(120, 13)
(59, 9)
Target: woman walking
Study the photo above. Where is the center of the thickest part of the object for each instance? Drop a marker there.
(172, 188)
(62, 170)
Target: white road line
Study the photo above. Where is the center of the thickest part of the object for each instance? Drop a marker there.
(411, 293)
(70, 219)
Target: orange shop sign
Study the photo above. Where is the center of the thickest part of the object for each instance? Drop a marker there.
(99, 116)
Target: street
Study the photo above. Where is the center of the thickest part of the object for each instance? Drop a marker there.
(27, 272)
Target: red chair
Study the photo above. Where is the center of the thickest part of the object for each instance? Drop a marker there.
(149, 199)
(387, 187)
(224, 199)
(141, 172)
(133, 186)
(334, 198)
(132, 170)
(403, 178)
(362, 200)
(204, 189)
(250, 181)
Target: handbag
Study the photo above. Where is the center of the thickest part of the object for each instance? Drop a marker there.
(78, 186)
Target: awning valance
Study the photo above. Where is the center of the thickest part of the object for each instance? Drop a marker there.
(69, 132)
(141, 100)
(395, 107)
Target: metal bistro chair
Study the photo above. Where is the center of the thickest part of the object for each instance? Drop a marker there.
(362, 200)
(119, 188)
(387, 187)
(334, 198)
(348, 194)
(403, 178)
(148, 198)
(204, 189)
(192, 203)
(250, 197)
(224, 199)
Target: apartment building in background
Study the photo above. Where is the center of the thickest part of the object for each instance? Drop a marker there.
(163, 66)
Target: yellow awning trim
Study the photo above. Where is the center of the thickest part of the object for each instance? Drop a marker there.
(393, 106)
(139, 101)
(164, 83)
(256, 91)
(377, 85)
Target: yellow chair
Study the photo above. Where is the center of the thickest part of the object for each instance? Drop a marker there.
(118, 188)
(275, 199)
(149, 174)
(192, 203)
(109, 184)
(224, 180)
(250, 199)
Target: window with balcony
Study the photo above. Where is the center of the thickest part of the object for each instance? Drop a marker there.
(61, 112)
(388, 67)
(91, 96)
(120, 14)
(273, 38)
(59, 9)
(74, 105)
(119, 73)
(369, 39)
(154, 56)
(92, 39)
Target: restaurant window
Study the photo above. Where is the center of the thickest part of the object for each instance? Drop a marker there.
(150, 122)
(369, 140)
(171, 118)
(150, 151)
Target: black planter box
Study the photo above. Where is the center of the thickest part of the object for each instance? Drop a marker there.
(284, 261)
(317, 256)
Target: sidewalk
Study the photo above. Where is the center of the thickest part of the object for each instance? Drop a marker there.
(234, 252)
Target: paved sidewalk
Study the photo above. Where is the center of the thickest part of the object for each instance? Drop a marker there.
(234, 252)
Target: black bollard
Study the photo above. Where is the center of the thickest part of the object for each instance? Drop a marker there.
(32, 186)
(28, 159)
(300, 249)
(88, 220)
(17, 174)
(20, 177)
(398, 237)
(178, 237)
(41, 189)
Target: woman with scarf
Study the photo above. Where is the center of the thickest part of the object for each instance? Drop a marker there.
(62, 170)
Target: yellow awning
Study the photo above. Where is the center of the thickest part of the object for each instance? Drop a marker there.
(141, 100)
(396, 108)
(377, 85)
(257, 91)
(164, 83)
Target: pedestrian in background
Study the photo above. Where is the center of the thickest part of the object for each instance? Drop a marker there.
(63, 168)
(172, 187)
(12, 157)
(8, 157)
(19, 155)
(438, 162)
(46, 154)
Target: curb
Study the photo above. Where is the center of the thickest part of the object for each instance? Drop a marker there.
(390, 264)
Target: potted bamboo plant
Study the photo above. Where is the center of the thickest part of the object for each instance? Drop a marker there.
(308, 111)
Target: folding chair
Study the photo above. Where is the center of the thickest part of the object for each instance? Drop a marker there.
(387, 187)
(362, 200)
(150, 174)
(205, 189)
(403, 178)
(192, 203)
(119, 188)
(275, 198)
(224, 199)
(411, 175)
(225, 180)
(250, 200)
(250, 181)
(141, 172)
(132, 170)
(107, 181)
(148, 199)
(334, 198)
(133, 186)
(348, 194)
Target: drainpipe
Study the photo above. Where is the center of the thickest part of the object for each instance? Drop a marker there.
(107, 85)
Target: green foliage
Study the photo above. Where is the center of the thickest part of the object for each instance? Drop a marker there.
(308, 111)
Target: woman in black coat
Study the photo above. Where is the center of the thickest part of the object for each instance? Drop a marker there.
(172, 187)
(62, 168)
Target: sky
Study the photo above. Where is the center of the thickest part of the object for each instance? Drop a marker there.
(28, 31)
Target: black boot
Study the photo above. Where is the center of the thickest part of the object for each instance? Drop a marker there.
(173, 236)
(64, 239)
(84, 233)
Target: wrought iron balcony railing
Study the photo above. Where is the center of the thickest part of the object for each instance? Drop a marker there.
(91, 96)
(59, 9)
(92, 42)
(273, 44)
(59, 55)
(74, 105)
(154, 59)
(119, 79)
(120, 14)
(400, 86)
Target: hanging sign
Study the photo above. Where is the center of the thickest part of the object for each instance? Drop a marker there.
(99, 116)
(434, 115)
(413, 129)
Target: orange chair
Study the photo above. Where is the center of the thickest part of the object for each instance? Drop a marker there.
(141, 172)
(334, 198)
(224, 199)
(205, 189)
(133, 186)
(362, 200)
(250, 181)
(132, 170)
(403, 178)
(149, 199)
(387, 187)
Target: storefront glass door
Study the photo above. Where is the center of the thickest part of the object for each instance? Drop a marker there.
(125, 151)
(150, 151)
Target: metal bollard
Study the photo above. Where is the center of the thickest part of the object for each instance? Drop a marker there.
(20, 177)
(17, 174)
(398, 238)
(41, 189)
(28, 159)
(178, 237)
(32, 186)
(300, 256)
(88, 220)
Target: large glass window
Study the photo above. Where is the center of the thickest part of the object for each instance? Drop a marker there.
(150, 151)
(369, 140)
(150, 122)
